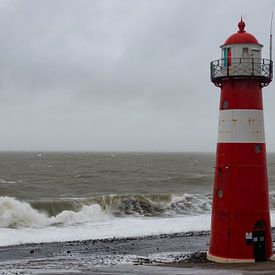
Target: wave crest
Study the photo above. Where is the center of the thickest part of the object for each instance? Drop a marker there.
(14, 213)
(66, 212)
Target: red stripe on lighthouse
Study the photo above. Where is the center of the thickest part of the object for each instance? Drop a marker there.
(241, 94)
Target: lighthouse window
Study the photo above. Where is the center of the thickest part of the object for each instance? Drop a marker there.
(226, 57)
(258, 148)
(255, 53)
(220, 193)
(245, 53)
(229, 56)
(225, 104)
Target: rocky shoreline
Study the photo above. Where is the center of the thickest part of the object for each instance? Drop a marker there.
(105, 252)
(197, 257)
(116, 256)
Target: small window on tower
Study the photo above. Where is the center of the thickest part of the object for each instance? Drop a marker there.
(245, 53)
(225, 105)
(220, 193)
(229, 55)
(255, 53)
(258, 148)
(225, 57)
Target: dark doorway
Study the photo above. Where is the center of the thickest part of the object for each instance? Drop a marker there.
(259, 241)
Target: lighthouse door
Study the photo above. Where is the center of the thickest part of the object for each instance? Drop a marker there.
(259, 241)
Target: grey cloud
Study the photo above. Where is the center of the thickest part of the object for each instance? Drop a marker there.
(116, 75)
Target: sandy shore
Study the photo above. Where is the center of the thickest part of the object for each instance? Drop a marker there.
(182, 253)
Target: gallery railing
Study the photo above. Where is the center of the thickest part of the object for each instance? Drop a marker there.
(259, 69)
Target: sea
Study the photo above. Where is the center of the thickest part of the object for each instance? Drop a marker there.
(65, 196)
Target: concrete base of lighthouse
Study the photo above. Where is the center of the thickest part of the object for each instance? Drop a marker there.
(217, 259)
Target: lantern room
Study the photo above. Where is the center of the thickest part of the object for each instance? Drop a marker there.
(241, 56)
(241, 45)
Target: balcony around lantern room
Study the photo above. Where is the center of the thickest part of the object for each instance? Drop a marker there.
(259, 69)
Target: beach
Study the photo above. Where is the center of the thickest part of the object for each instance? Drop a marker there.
(181, 253)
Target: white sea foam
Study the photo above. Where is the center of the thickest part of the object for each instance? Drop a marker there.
(17, 214)
(91, 213)
(108, 228)
(7, 181)
(20, 223)
(14, 213)
(194, 203)
(112, 227)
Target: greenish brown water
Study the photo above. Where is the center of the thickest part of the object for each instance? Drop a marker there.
(32, 176)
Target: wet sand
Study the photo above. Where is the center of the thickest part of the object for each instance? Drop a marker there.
(182, 253)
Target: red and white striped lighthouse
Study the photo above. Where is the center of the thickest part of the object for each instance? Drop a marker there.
(240, 225)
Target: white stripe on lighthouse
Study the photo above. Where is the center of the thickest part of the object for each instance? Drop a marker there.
(241, 126)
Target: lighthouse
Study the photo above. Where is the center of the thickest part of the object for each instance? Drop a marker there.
(240, 222)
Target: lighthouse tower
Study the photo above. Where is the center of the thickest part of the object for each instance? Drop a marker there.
(240, 225)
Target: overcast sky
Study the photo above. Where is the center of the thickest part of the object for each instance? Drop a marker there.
(118, 75)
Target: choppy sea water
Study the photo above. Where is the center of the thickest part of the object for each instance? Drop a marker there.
(46, 197)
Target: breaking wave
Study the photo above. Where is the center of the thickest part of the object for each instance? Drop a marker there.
(65, 212)
(15, 213)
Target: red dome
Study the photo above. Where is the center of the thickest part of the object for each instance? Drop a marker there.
(241, 37)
